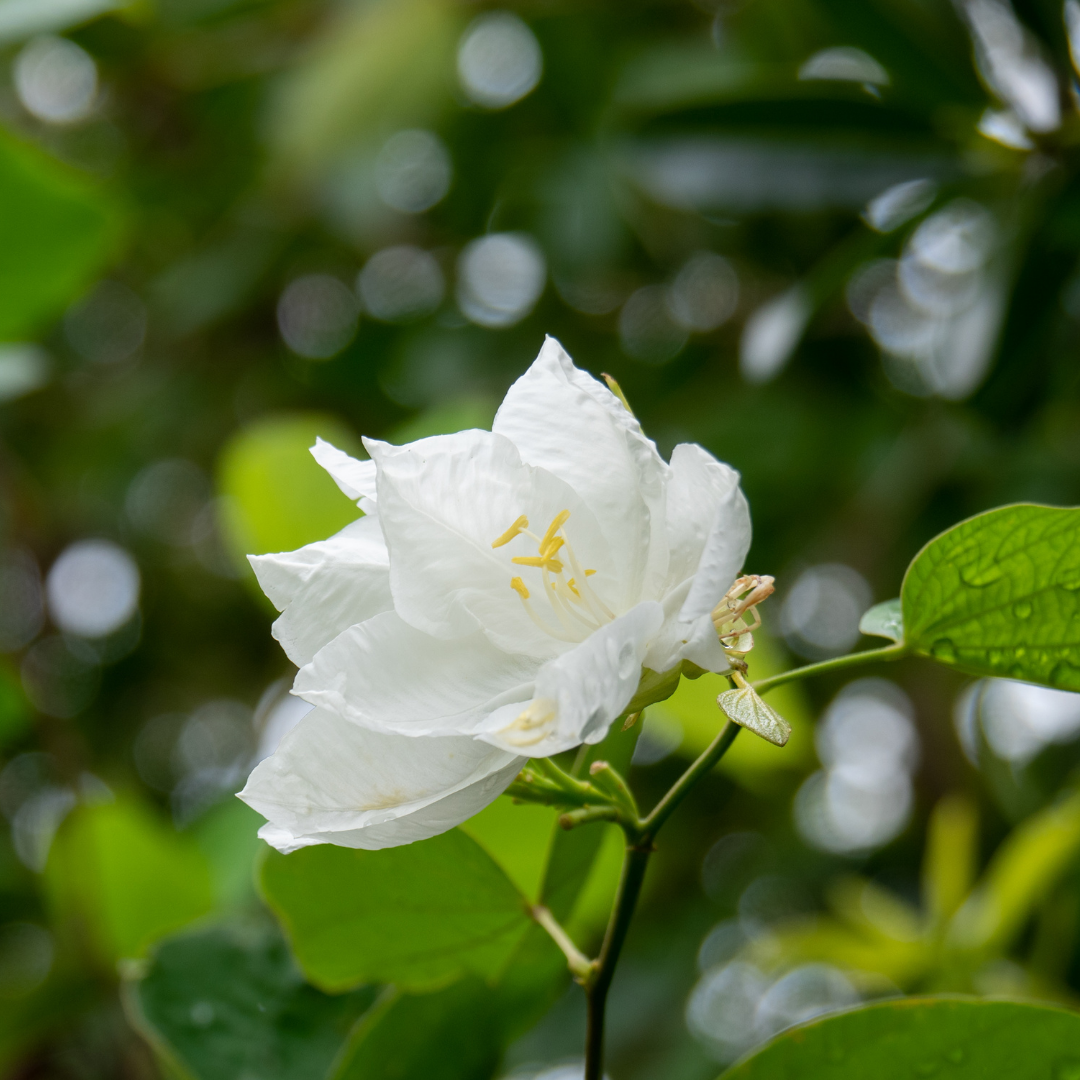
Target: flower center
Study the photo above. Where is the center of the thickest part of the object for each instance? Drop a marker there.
(573, 610)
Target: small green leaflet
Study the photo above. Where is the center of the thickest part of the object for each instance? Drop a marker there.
(999, 594)
(747, 709)
(905, 1038)
(884, 620)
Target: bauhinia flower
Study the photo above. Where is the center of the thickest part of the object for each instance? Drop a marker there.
(506, 595)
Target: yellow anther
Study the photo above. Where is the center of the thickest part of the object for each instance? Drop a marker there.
(552, 546)
(554, 527)
(616, 389)
(521, 523)
(519, 587)
(540, 561)
(589, 573)
(573, 588)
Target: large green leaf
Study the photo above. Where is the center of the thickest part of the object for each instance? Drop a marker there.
(999, 594)
(415, 916)
(909, 1038)
(57, 231)
(125, 879)
(229, 1002)
(453, 1034)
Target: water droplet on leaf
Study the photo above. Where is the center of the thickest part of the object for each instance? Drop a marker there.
(944, 650)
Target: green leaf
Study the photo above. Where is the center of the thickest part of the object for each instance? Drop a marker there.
(229, 1002)
(276, 495)
(518, 836)
(999, 594)
(57, 232)
(126, 878)
(884, 620)
(904, 1039)
(1028, 863)
(227, 835)
(453, 1034)
(416, 916)
(749, 710)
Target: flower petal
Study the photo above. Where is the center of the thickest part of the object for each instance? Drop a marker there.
(695, 641)
(708, 525)
(563, 420)
(442, 502)
(388, 676)
(332, 781)
(355, 478)
(580, 693)
(325, 587)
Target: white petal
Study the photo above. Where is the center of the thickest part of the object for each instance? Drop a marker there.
(580, 693)
(709, 527)
(324, 587)
(332, 781)
(695, 641)
(442, 501)
(563, 420)
(355, 478)
(391, 677)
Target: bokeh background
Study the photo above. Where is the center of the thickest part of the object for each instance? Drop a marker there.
(837, 242)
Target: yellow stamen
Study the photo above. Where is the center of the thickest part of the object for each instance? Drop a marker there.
(544, 563)
(616, 389)
(521, 523)
(519, 587)
(573, 588)
(552, 546)
(589, 573)
(554, 527)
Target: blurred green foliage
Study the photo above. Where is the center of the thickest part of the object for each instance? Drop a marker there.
(157, 390)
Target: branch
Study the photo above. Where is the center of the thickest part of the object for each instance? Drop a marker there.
(581, 967)
(869, 656)
(681, 788)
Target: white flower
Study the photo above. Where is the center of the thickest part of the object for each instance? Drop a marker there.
(501, 599)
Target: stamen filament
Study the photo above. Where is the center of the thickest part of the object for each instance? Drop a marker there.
(595, 604)
(556, 605)
(544, 625)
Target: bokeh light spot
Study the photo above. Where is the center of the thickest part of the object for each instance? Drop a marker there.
(499, 60)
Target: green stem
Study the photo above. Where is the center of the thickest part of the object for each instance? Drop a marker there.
(869, 656)
(681, 788)
(596, 988)
(640, 834)
(639, 847)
